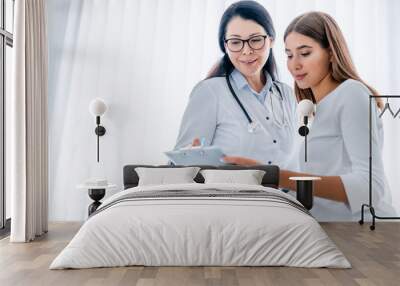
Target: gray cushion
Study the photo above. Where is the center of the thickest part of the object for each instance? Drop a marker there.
(270, 179)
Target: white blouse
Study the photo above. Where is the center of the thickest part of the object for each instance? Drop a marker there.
(338, 145)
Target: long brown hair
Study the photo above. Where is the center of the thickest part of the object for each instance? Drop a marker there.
(323, 28)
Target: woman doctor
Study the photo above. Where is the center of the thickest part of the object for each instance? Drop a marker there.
(319, 61)
(241, 107)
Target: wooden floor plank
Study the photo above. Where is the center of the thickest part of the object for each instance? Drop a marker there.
(374, 255)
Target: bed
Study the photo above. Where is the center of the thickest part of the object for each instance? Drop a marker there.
(201, 224)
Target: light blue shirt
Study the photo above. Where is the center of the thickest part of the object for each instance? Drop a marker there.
(242, 83)
(213, 113)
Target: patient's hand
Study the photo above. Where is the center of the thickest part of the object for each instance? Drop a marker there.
(196, 142)
(242, 161)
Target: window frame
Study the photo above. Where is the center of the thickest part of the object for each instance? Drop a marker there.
(6, 39)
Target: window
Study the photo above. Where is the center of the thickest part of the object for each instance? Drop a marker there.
(6, 44)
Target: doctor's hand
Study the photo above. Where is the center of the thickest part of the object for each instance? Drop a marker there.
(242, 161)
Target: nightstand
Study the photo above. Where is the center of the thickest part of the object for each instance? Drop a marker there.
(96, 193)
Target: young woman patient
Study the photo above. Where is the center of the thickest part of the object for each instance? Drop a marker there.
(320, 63)
(338, 150)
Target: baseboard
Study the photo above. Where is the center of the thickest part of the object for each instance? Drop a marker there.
(5, 231)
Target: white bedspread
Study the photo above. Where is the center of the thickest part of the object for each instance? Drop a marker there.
(200, 231)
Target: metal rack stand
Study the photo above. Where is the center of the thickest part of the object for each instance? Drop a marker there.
(369, 205)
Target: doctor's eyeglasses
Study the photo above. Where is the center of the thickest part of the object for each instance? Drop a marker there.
(255, 43)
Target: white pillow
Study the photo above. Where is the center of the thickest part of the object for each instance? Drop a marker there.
(165, 176)
(248, 177)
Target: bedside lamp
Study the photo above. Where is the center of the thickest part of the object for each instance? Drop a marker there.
(97, 108)
(305, 109)
(304, 185)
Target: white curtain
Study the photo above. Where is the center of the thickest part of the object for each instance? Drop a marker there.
(27, 122)
(143, 57)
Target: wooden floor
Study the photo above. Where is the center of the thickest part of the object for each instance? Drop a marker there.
(374, 255)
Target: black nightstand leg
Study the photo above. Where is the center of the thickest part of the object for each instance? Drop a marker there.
(96, 195)
(304, 193)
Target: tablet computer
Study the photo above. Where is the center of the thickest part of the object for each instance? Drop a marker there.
(210, 155)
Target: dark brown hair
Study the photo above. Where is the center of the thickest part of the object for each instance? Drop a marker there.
(248, 10)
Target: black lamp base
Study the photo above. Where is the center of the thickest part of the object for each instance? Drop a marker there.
(100, 130)
(304, 130)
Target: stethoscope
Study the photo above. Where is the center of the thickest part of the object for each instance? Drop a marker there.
(252, 125)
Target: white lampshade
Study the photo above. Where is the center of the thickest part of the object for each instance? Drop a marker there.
(97, 107)
(305, 107)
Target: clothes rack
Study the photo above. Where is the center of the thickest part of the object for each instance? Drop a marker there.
(369, 205)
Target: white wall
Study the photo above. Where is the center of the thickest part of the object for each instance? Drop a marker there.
(144, 56)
